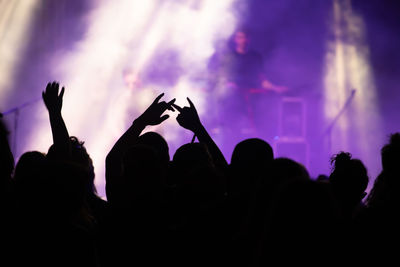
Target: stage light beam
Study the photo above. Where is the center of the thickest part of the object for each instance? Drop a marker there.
(129, 33)
(15, 18)
(347, 68)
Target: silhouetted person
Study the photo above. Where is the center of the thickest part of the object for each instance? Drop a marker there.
(303, 225)
(136, 229)
(6, 197)
(250, 167)
(6, 160)
(135, 185)
(52, 223)
(50, 208)
(114, 167)
(79, 155)
(238, 73)
(200, 198)
(349, 180)
(200, 170)
(383, 194)
(251, 161)
(378, 225)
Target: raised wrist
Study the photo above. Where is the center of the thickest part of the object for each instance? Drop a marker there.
(139, 122)
(55, 114)
(198, 128)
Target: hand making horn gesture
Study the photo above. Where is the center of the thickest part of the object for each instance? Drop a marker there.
(154, 113)
(188, 117)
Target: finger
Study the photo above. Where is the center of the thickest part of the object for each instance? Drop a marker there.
(48, 86)
(54, 88)
(44, 96)
(178, 108)
(170, 103)
(62, 93)
(158, 98)
(55, 91)
(190, 103)
(163, 118)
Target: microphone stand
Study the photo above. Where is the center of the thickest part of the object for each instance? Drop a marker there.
(16, 111)
(330, 127)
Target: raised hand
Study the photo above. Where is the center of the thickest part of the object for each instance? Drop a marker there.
(153, 114)
(188, 117)
(52, 99)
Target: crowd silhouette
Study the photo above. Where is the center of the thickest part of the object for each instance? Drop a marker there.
(192, 210)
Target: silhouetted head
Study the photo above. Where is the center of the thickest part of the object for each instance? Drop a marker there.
(391, 155)
(192, 155)
(52, 187)
(251, 160)
(252, 153)
(349, 177)
(195, 173)
(241, 39)
(80, 156)
(158, 143)
(29, 166)
(286, 171)
(30, 173)
(385, 190)
(190, 159)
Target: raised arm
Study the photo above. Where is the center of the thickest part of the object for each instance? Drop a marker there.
(152, 116)
(53, 101)
(189, 119)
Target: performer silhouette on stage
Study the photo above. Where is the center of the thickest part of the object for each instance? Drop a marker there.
(242, 67)
(242, 90)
